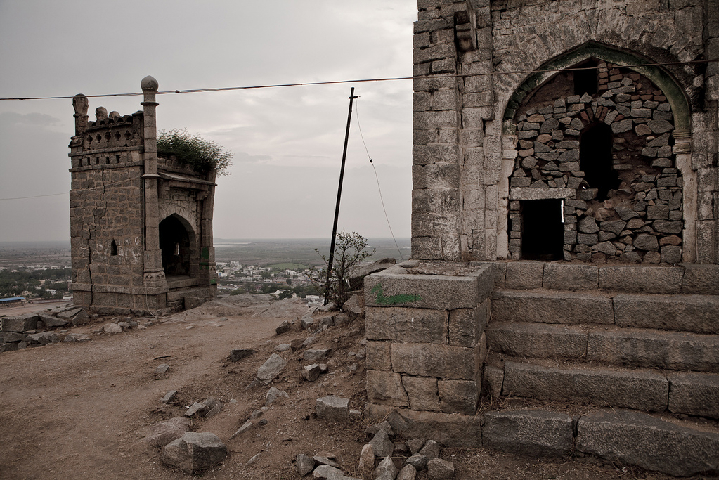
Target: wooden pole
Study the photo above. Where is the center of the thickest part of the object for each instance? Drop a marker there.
(339, 196)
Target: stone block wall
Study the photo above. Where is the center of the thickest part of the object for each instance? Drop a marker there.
(477, 63)
(426, 339)
(121, 193)
(642, 220)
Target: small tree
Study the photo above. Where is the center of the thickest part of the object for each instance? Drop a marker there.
(349, 252)
(195, 151)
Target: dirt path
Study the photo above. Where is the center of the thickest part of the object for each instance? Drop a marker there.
(73, 410)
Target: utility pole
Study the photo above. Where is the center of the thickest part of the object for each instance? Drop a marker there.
(339, 196)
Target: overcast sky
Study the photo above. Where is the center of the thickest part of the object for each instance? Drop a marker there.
(287, 142)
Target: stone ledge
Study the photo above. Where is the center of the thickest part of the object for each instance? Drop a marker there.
(529, 432)
(603, 387)
(648, 442)
(439, 292)
(689, 313)
(451, 430)
(551, 307)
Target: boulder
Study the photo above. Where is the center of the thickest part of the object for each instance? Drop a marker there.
(271, 368)
(438, 469)
(273, 394)
(381, 444)
(305, 464)
(206, 408)
(194, 452)
(165, 432)
(332, 408)
(366, 462)
(311, 372)
(386, 470)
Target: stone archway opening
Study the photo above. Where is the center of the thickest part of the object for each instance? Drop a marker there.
(176, 246)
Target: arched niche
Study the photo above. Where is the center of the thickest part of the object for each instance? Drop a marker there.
(178, 245)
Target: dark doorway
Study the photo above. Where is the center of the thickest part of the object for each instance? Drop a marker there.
(586, 81)
(175, 246)
(542, 230)
(595, 159)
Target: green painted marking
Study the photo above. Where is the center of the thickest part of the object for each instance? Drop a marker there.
(394, 299)
(205, 253)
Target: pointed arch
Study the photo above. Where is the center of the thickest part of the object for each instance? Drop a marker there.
(660, 77)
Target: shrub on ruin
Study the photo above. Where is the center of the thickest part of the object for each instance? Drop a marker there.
(203, 155)
(350, 251)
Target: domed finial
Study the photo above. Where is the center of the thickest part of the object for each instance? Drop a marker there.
(149, 83)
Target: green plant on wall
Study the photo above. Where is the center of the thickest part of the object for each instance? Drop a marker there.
(203, 155)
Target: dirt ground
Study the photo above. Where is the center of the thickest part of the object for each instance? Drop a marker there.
(82, 410)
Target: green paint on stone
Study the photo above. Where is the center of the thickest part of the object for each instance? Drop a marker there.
(394, 299)
(205, 253)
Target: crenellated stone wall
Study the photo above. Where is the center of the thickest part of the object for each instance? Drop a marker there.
(121, 192)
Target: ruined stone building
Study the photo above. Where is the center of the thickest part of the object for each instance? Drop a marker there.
(522, 156)
(140, 224)
(565, 244)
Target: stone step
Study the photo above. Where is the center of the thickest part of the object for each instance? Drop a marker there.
(607, 345)
(689, 393)
(690, 313)
(652, 442)
(686, 279)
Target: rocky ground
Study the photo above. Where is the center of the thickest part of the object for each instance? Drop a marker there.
(88, 409)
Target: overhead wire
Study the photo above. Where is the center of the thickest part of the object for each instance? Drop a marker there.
(379, 189)
(361, 80)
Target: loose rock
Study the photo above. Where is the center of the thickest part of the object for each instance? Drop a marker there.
(408, 472)
(240, 353)
(305, 464)
(332, 408)
(273, 394)
(194, 452)
(271, 368)
(381, 444)
(438, 469)
(430, 449)
(168, 431)
(366, 462)
(386, 470)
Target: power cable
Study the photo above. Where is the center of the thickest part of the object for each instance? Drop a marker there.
(361, 80)
(379, 189)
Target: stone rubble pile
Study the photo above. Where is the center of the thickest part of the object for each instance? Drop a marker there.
(36, 329)
(383, 458)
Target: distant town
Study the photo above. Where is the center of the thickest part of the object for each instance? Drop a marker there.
(41, 272)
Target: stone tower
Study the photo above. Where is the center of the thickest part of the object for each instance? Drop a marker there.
(579, 130)
(140, 224)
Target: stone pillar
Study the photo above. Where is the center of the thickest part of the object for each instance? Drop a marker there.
(208, 268)
(154, 276)
(80, 104)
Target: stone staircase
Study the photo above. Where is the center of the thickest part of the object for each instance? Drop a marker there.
(621, 361)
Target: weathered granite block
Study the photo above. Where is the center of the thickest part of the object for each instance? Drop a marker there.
(643, 348)
(640, 279)
(690, 313)
(639, 389)
(551, 307)
(694, 394)
(416, 325)
(450, 430)
(701, 279)
(385, 388)
(564, 276)
(439, 292)
(458, 396)
(422, 393)
(434, 360)
(537, 340)
(377, 356)
(19, 324)
(524, 275)
(466, 325)
(529, 432)
(648, 442)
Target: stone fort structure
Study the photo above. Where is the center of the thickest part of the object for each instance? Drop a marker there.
(565, 245)
(140, 223)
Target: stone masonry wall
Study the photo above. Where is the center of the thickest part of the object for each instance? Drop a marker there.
(640, 218)
(425, 339)
(472, 58)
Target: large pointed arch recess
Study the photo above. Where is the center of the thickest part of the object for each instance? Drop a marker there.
(673, 92)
